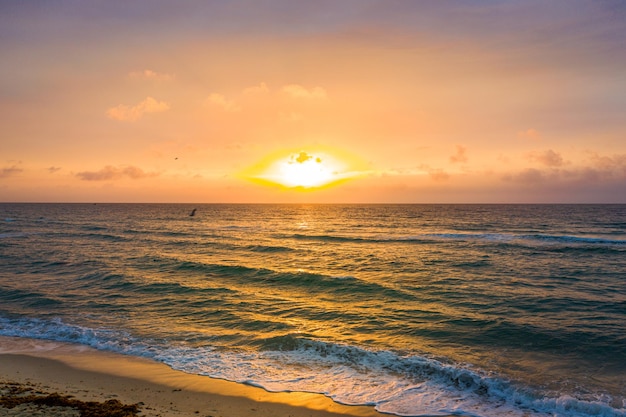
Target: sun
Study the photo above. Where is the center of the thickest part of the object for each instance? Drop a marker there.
(302, 169)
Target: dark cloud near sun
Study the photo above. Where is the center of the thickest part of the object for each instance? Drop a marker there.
(109, 173)
(302, 157)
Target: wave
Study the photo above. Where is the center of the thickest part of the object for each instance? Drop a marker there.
(125, 285)
(438, 237)
(326, 238)
(94, 228)
(268, 249)
(91, 234)
(107, 237)
(575, 239)
(511, 238)
(12, 234)
(392, 383)
(298, 279)
(27, 298)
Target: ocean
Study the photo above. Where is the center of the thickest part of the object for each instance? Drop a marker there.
(417, 310)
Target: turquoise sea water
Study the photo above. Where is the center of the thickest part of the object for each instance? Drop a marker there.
(477, 310)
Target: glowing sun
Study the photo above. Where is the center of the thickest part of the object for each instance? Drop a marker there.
(304, 170)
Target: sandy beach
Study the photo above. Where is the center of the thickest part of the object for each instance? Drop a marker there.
(51, 370)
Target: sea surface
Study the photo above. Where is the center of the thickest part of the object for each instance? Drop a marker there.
(417, 310)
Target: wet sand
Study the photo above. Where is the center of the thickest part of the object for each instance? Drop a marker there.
(69, 375)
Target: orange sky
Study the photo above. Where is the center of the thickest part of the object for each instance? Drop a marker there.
(424, 102)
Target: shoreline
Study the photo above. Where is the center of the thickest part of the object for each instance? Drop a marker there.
(86, 374)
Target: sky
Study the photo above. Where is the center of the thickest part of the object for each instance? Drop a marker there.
(430, 101)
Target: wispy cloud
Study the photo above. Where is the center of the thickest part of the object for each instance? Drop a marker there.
(549, 158)
(291, 116)
(298, 91)
(530, 134)
(151, 75)
(528, 176)
(436, 174)
(109, 173)
(615, 163)
(132, 113)
(10, 171)
(460, 156)
(222, 102)
(292, 90)
(257, 89)
(596, 170)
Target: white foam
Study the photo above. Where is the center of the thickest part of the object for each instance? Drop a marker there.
(401, 385)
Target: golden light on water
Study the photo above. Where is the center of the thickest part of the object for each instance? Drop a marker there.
(304, 170)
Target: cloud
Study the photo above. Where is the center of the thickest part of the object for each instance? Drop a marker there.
(291, 116)
(151, 75)
(437, 174)
(10, 171)
(531, 176)
(598, 169)
(302, 157)
(548, 158)
(531, 134)
(460, 155)
(298, 91)
(52, 170)
(257, 89)
(221, 101)
(126, 113)
(609, 163)
(293, 90)
(109, 173)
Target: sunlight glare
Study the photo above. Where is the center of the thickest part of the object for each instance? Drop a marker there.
(302, 170)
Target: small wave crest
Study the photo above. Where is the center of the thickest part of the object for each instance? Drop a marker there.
(527, 238)
(11, 234)
(576, 239)
(500, 238)
(268, 249)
